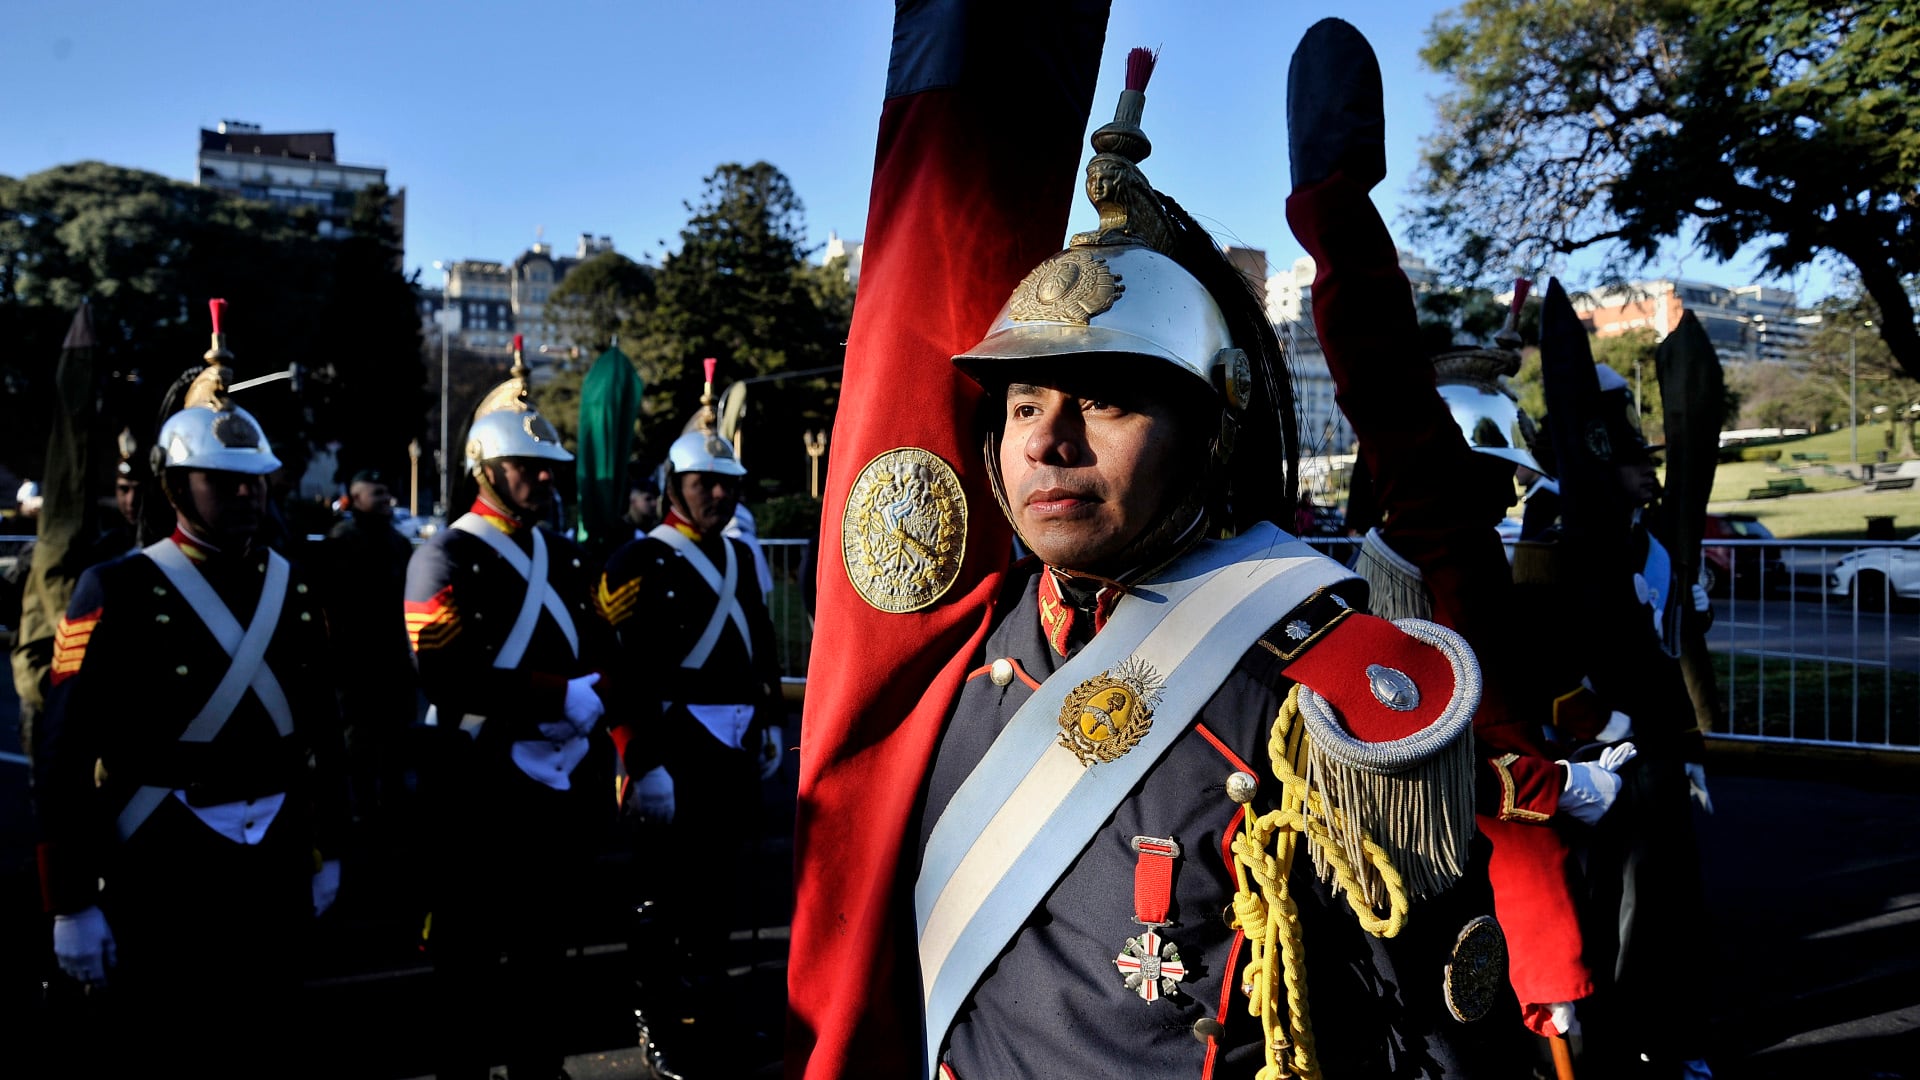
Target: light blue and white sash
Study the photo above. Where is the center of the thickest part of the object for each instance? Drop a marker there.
(1030, 807)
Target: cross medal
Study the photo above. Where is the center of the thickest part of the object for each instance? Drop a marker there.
(1151, 965)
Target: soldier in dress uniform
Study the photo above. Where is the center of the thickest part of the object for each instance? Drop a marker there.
(696, 638)
(512, 657)
(1164, 832)
(191, 797)
(1643, 901)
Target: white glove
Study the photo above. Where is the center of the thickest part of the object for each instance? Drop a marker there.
(1619, 726)
(1697, 785)
(1615, 756)
(653, 795)
(83, 944)
(770, 751)
(1564, 1017)
(326, 886)
(584, 707)
(1700, 601)
(1591, 788)
(1589, 791)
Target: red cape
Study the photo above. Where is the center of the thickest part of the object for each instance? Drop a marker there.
(980, 136)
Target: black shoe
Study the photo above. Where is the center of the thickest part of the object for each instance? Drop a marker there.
(1335, 117)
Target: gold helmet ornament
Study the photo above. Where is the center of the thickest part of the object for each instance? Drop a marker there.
(702, 449)
(1148, 282)
(1118, 288)
(1472, 383)
(210, 431)
(506, 425)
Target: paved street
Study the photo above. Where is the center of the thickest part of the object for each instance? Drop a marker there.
(1808, 627)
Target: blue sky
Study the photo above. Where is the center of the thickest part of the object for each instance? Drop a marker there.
(604, 117)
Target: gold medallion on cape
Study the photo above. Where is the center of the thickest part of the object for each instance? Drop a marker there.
(1105, 716)
(1071, 287)
(1477, 973)
(904, 530)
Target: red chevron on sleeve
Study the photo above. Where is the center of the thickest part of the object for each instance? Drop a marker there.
(434, 622)
(70, 640)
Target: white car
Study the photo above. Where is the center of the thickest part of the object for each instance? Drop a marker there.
(1877, 570)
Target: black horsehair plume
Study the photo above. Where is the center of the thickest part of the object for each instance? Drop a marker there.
(1269, 427)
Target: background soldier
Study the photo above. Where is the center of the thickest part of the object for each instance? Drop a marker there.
(510, 656)
(686, 603)
(190, 682)
(365, 559)
(1644, 902)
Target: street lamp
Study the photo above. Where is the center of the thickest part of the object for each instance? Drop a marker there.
(1853, 389)
(446, 311)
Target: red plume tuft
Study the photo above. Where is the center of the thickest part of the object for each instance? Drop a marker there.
(1140, 68)
(709, 363)
(517, 342)
(1521, 287)
(219, 309)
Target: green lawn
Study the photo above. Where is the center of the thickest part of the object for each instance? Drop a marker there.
(1838, 506)
(1810, 700)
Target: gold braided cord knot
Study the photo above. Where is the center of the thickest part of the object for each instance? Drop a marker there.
(1265, 911)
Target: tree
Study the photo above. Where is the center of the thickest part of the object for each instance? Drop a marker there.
(740, 289)
(1619, 124)
(1783, 396)
(599, 298)
(1843, 353)
(150, 251)
(372, 396)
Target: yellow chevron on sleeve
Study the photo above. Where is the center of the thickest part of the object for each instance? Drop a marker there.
(616, 605)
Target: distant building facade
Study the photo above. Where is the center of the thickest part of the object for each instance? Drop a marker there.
(486, 303)
(479, 304)
(840, 248)
(290, 170)
(1746, 324)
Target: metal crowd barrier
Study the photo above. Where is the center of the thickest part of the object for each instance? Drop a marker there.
(1818, 642)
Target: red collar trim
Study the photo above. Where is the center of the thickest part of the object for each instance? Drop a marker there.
(497, 517)
(1058, 615)
(686, 528)
(192, 546)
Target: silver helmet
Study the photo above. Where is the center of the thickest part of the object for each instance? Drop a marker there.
(1472, 383)
(506, 425)
(703, 451)
(513, 433)
(210, 431)
(1116, 289)
(1124, 297)
(1492, 421)
(228, 439)
(702, 448)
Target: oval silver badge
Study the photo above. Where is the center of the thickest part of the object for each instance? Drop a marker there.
(1393, 687)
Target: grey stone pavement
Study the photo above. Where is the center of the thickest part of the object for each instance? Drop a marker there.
(1812, 864)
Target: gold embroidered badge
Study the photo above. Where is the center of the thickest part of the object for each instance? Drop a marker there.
(903, 533)
(1071, 287)
(1105, 716)
(1478, 970)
